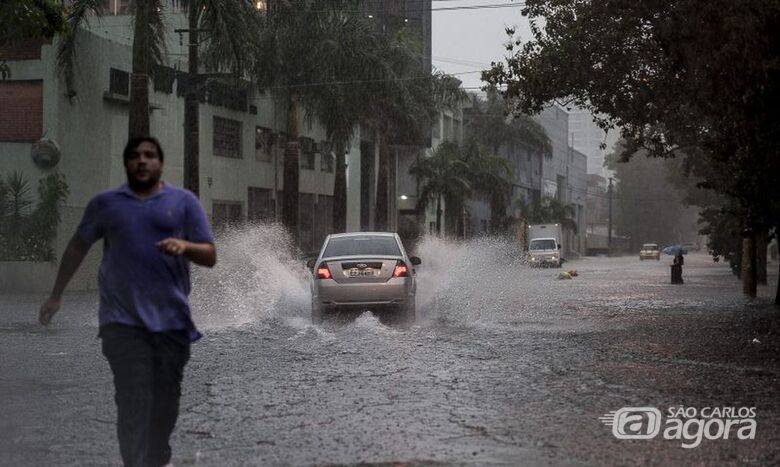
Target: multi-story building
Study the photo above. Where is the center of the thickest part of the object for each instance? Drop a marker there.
(585, 136)
(241, 136)
(563, 174)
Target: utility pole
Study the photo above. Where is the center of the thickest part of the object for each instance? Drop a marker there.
(609, 225)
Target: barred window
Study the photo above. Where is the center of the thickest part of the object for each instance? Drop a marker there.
(119, 82)
(227, 138)
(261, 204)
(226, 213)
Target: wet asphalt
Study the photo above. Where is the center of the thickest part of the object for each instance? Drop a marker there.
(505, 365)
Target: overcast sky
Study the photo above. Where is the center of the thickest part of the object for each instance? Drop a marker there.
(465, 41)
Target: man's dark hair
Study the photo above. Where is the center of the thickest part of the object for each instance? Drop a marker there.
(135, 142)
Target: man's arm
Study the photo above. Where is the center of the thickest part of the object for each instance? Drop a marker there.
(71, 260)
(203, 254)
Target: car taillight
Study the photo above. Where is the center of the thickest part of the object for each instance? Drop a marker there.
(400, 270)
(323, 272)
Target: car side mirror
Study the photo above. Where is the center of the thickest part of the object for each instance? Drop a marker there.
(415, 261)
(559, 246)
(310, 263)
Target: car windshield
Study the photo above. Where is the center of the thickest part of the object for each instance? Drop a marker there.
(650, 246)
(362, 246)
(546, 244)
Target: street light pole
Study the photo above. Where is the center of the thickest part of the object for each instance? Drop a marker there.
(609, 226)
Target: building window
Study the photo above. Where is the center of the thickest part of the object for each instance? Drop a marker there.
(261, 206)
(227, 138)
(21, 118)
(263, 144)
(226, 213)
(119, 82)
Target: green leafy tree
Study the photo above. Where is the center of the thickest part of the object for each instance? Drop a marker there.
(28, 19)
(672, 76)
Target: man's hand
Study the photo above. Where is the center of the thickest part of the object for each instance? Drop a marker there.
(173, 246)
(203, 254)
(48, 309)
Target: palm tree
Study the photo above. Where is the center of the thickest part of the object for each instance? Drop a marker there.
(299, 47)
(492, 123)
(357, 51)
(231, 25)
(443, 176)
(404, 110)
(490, 176)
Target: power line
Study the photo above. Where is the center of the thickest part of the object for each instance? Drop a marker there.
(383, 80)
(424, 10)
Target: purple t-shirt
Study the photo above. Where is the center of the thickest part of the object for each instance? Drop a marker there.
(139, 284)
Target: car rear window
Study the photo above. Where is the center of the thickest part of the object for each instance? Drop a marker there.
(362, 245)
(649, 246)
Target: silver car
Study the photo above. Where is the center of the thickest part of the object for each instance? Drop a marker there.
(362, 270)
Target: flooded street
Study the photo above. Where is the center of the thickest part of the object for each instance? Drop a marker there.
(505, 365)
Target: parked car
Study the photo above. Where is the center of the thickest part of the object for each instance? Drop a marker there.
(362, 270)
(650, 251)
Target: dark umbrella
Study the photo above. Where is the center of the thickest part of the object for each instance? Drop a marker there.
(674, 250)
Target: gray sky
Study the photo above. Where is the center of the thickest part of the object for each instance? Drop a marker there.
(467, 40)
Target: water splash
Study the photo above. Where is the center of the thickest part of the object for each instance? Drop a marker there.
(480, 281)
(257, 278)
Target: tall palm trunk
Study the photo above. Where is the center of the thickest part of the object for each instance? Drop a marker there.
(138, 124)
(191, 104)
(761, 245)
(748, 273)
(340, 190)
(291, 170)
(777, 292)
(438, 215)
(382, 185)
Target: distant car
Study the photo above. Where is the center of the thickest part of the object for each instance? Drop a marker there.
(690, 246)
(361, 270)
(650, 251)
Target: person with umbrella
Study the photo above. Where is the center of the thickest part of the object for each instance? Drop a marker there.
(677, 251)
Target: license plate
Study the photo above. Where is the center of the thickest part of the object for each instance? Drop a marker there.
(361, 272)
